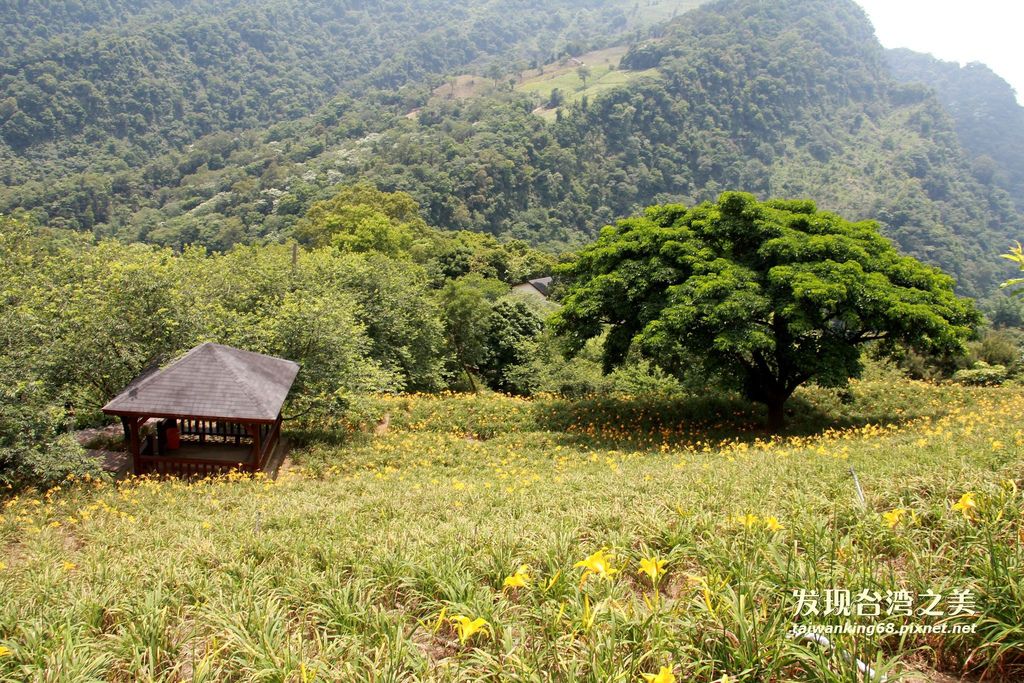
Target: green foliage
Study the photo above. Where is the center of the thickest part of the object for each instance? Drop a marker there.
(989, 120)
(784, 98)
(399, 313)
(105, 86)
(1005, 310)
(1016, 255)
(35, 447)
(982, 375)
(548, 369)
(511, 335)
(467, 305)
(997, 347)
(766, 295)
(361, 218)
(36, 444)
(355, 323)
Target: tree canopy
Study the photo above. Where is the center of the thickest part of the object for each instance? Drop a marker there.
(767, 295)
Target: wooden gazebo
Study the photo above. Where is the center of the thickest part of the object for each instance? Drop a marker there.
(213, 410)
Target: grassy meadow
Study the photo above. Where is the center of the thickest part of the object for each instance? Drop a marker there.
(459, 538)
(604, 75)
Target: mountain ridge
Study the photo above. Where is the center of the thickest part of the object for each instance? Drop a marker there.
(787, 99)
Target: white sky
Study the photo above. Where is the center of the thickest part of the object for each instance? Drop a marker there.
(987, 31)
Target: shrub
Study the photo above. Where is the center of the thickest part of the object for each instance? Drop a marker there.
(36, 445)
(982, 374)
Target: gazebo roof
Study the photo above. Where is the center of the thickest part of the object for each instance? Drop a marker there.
(542, 284)
(212, 382)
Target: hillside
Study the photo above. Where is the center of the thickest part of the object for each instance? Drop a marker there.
(357, 564)
(988, 118)
(789, 98)
(793, 99)
(104, 86)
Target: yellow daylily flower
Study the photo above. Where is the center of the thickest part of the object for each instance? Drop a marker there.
(966, 505)
(772, 524)
(467, 628)
(597, 565)
(894, 517)
(69, 566)
(747, 521)
(654, 567)
(664, 675)
(518, 580)
(4, 651)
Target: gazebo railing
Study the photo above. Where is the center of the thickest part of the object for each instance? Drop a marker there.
(182, 467)
(167, 464)
(202, 429)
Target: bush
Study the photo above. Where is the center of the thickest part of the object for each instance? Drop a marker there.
(982, 375)
(641, 378)
(36, 445)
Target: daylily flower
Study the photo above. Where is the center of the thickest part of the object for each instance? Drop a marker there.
(966, 504)
(665, 675)
(467, 628)
(518, 580)
(598, 565)
(772, 524)
(747, 521)
(894, 517)
(69, 566)
(4, 651)
(654, 567)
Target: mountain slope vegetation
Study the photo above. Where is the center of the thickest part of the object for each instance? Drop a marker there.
(99, 85)
(788, 99)
(988, 118)
(794, 99)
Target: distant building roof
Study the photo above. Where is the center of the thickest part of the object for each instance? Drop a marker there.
(541, 285)
(214, 382)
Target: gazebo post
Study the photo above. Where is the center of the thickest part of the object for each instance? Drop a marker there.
(133, 443)
(257, 444)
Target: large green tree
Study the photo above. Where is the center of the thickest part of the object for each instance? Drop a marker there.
(769, 295)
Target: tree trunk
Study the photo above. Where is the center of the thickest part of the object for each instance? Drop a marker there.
(776, 414)
(469, 376)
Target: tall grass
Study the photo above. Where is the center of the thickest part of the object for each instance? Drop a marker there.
(354, 564)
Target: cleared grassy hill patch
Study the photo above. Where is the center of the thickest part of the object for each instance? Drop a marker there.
(566, 76)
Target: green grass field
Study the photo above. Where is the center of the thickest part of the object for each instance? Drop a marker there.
(605, 75)
(373, 557)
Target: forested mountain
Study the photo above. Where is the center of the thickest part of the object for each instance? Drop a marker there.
(988, 118)
(222, 122)
(103, 85)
